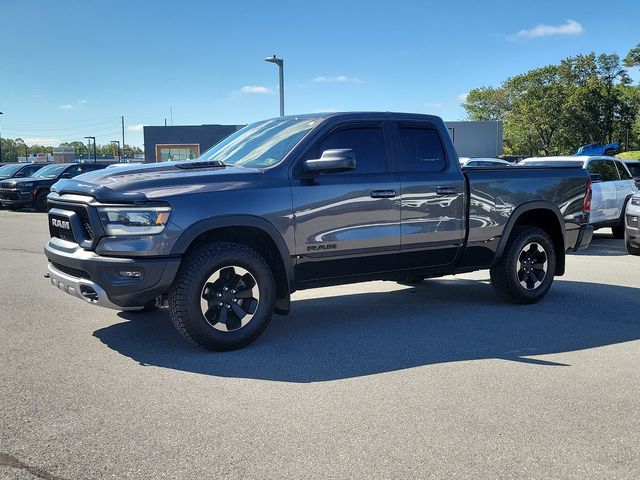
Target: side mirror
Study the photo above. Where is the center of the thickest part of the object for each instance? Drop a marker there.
(333, 161)
(66, 175)
(596, 178)
(19, 175)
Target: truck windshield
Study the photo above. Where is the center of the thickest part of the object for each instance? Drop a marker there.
(261, 144)
(50, 171)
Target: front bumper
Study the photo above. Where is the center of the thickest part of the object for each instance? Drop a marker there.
(14, 197)
(81, 272)
(83, 288)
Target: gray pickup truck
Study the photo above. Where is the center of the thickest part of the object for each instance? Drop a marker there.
(307, 201)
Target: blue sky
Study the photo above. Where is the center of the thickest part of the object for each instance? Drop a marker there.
(71, 68)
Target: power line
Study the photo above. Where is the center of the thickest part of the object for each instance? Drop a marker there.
(47, 126)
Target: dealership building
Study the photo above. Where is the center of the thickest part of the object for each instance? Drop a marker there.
(183, 142)
(186, 142)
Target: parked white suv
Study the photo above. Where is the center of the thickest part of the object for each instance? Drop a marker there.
(632, 232)
(611, 184)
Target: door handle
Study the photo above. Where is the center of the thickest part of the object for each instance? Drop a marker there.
(383, 194)
(446, 190)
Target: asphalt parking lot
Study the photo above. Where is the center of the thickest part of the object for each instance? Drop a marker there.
(374, 380)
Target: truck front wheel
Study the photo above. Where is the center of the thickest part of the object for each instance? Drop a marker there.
(525, 271)
(223, 297)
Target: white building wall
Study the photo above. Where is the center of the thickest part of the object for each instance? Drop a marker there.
(476, 139)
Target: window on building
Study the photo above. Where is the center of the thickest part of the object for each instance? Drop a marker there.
(171, 153)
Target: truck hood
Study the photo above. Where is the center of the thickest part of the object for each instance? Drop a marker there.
(16, 182)
(140, 183)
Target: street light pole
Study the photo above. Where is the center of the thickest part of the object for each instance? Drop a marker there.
(280, 63)
(119, 154)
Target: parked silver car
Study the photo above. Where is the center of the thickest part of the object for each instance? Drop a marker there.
(611, 184)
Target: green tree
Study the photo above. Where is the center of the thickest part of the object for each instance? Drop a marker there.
(557, 108)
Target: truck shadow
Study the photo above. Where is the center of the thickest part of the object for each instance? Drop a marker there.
(604, 245)
(368, 333)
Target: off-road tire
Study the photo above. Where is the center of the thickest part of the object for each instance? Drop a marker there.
(618, 231)
(40, 203)
(185, 295)
(504, 274)
(411, 280)
(630, 248)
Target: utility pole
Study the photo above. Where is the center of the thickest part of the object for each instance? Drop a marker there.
(122, 137)
(95, 158)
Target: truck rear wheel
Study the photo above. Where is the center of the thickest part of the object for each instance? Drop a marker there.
(223, 297)
(525, 271)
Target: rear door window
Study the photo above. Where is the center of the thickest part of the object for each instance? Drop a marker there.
(74, 170)
(605, 168)
(422, 149)
(634, 168)
(92, 168)
(31, 169)
(624, 174)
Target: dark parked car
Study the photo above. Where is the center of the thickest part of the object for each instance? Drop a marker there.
(19, 170)
(32, 191)
(301, 202)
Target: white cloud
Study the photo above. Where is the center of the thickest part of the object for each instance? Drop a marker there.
(336, 79)
(462, 97)
(135, 128)
(46, 142)
(84, 100)
(255, 89)
(66, 106)
(571, 27)
(433, 104)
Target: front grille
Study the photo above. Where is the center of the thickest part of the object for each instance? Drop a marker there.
(65, 235)
(74, 272)
(81, 211)
(86, 223)
(9, 196)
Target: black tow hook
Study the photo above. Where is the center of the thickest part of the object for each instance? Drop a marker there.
(46, 275)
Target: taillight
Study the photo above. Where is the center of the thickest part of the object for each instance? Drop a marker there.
(586, 207)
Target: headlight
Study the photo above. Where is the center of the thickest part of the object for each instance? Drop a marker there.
(26, 185)
(635, 201)
(134, 220)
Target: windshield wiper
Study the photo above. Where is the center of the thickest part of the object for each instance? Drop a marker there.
(203, 164)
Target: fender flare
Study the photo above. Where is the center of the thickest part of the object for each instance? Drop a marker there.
(195, 230)
(517, 213)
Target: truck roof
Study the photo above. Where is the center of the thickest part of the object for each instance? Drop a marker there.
(366, 114)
